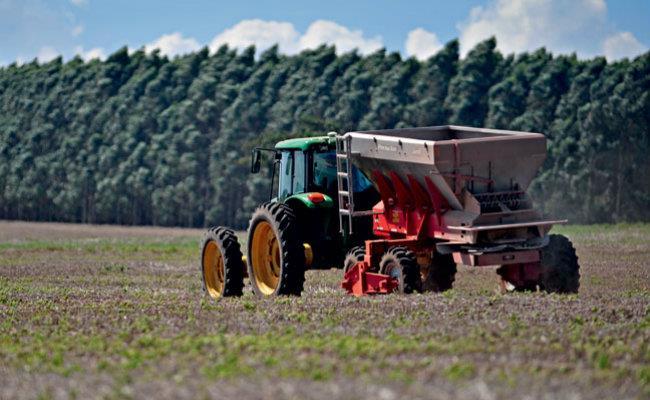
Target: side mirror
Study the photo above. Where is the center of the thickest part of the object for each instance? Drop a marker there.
(255, 161)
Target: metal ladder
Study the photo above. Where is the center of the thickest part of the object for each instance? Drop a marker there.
(345, 182)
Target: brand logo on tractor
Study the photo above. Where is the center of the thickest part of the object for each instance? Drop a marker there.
(395, 216)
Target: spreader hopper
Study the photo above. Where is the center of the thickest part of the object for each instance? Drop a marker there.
(450, 194)
(475, 179)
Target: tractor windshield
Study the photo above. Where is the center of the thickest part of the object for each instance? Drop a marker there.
(324, 175)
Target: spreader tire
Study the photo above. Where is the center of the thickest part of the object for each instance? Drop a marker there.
(221, 263)
(400, 263)
(276, 256)
(560, 272)
(441, 273)
(353, 256)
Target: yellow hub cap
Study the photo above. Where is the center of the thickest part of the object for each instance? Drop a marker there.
(213, 269)
(265, 258)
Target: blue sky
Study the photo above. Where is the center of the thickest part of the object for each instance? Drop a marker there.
(95, 28)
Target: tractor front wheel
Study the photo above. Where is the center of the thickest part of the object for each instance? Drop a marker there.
(276, 255)
(221, 263)
(400, 263)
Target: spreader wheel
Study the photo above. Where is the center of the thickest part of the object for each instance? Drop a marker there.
(353, 256)
(276, 255)
(560, 272)
(221, 263)
(400, 263)
(441, 273)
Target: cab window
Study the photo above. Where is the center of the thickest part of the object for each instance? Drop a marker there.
(292, 173)
(286, 165)
(298, 172)
(324, 175)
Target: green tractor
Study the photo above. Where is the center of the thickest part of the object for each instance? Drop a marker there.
(430, 198)
(299, 228)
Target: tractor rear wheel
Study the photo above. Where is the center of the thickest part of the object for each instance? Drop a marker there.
(353, 256)
(400, 263)
(276, 256)
(441, 273)
(560, 272)
(221, 263)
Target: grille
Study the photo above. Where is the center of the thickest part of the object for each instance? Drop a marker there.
(502, 201)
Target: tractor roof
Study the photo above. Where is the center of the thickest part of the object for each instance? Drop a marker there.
(302, 143)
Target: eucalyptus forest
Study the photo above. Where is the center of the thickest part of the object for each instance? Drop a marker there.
(143, 139)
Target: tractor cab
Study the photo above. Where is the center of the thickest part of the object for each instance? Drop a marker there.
(306, 167)
(304, 178)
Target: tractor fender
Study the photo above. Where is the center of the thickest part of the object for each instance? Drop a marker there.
(310, 200)
(314, 219)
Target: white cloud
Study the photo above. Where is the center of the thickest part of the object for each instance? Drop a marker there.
(622, 44)
(264, 34)
(344, 39)
(96, 52)
(79, 3)
(422, 44)
(261, 34)
(47, 53)
(173, 44)
(77, 30)
(522, 25)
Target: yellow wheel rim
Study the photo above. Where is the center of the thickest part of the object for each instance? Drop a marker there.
(265, 258)
(213, 269)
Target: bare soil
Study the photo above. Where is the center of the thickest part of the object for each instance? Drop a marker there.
(118, 312)
(21, 231)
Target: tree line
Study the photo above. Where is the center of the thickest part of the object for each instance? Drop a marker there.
(143, 139)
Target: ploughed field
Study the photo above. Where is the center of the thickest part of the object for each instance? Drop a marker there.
(115, 312)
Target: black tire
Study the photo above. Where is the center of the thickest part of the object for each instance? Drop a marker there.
(401, 263)
(353, 256)
(221, 263)
(441, 273)
(290, 275)
(559, 263)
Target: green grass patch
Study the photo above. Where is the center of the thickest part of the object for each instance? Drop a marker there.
(460, 370)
